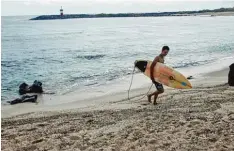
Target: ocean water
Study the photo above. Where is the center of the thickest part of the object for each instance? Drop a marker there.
(76, 54)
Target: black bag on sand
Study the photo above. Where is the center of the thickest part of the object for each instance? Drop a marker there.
(25, 98)
(36, 87)
(23, 88)
(231, 75)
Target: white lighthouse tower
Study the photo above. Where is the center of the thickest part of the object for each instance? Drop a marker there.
(61, 11)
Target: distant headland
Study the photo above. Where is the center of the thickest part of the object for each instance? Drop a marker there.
(214, 12)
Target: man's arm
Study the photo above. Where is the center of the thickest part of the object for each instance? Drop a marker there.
(156, 59)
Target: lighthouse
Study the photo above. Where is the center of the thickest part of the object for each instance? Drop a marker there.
(61, 11)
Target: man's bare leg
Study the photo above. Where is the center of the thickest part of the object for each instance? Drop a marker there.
(149, 98)
(150, 95)
(156, 96)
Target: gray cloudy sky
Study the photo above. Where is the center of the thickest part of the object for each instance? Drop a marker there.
(42, 7)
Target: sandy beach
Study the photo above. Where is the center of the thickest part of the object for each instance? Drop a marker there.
(201, 118)
(213, 14)
(218, 14)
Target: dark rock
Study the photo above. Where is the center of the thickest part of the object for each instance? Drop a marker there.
(190, 77)
(231, 75)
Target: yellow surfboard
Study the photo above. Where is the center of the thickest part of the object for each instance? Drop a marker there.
(164, 74)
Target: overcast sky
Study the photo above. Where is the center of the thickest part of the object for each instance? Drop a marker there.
(42, 7)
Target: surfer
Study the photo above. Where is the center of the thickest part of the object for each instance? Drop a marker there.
(159, 86)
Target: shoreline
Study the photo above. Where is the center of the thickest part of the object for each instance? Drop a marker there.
(87, 98)
(198, 118)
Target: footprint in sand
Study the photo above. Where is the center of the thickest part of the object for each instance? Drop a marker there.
(37, 141)
(42, 124)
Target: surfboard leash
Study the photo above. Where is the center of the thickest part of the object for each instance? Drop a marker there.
(131, 86)
(131, 81)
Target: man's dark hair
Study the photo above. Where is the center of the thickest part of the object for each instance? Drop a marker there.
(165, 48)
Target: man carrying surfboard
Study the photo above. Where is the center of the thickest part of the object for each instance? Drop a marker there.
(159, 86)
